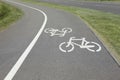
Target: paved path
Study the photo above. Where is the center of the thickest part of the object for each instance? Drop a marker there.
(46, 61)
(102, 6)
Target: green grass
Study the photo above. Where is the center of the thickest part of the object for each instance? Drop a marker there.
(105, 25)
(8, 14)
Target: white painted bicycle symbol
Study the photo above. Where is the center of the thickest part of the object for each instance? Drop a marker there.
(56, 32)
(69, 46)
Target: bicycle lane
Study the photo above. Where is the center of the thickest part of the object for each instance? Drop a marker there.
(47, 62)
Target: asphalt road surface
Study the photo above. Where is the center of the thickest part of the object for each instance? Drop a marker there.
(102, 6)
(26, 57)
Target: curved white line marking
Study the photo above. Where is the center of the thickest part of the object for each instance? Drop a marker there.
(18, 64)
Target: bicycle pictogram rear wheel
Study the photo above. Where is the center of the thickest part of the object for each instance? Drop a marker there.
(67, 29)
(96, 47)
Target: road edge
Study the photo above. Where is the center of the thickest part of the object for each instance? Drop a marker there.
(24, 55)
(112, 52)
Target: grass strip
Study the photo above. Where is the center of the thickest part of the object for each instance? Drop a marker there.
(8, 14)
(105, 25)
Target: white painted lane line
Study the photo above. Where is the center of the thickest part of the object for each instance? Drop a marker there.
(18, 64)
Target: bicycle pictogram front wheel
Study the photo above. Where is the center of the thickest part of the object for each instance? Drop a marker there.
(66, 47)
(48, 30)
